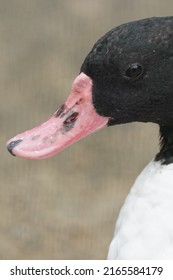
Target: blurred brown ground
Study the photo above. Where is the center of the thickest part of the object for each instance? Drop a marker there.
(63, 207)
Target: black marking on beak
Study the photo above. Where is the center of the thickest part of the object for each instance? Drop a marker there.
(12, 145)
(69, 109)
(60, 111)
(70, 121)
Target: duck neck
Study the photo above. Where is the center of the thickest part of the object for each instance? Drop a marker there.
(166, 145)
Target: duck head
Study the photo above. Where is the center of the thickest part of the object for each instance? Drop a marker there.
(126, 77)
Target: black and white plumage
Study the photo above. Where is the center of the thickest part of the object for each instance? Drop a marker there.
(126, 77)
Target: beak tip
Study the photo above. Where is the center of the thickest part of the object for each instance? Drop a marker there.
(12, 145)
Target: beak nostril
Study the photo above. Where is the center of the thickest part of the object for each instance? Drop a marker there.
(71, 119)
(12, 145)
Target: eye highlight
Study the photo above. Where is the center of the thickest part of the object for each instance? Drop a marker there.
(134, 70)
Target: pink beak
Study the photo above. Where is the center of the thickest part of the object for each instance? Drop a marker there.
(74, 120)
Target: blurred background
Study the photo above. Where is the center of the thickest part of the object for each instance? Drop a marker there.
(63, 207)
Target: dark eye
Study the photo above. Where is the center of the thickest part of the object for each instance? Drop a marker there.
(134, 70)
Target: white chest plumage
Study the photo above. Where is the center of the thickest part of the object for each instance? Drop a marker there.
(144, 229)
(126, 77)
